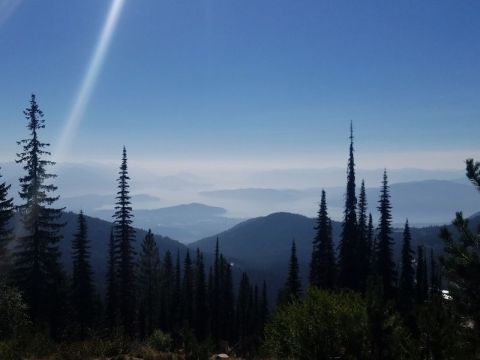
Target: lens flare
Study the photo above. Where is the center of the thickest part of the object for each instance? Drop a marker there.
(88, 83)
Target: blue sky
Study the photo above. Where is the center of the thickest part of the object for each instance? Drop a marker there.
(269, 82)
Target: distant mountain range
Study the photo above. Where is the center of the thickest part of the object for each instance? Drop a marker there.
(428, 202)
(262, 245)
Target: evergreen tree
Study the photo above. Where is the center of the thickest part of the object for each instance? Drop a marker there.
(125, 253)
(264, 310)
(407, 274)
(227, 301)
(421, 276)
(201, 305)
(244, 308)
(322, 266)
(473, 172)
(38, 271)
(348, 252)
(6, 214)
(149, 284)
(167, 286)
(385, 263)
(111, 288)
(435, 282)
(364, 247)
(371, 243)
(187, 286)
(293, 288)
(177, 298)
(215, 295)
(83, 291)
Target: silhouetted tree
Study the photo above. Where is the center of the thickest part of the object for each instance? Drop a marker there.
(364, 247)
(421, 276)
(187, 287)
(407, 274)
(83, 290)
(167, 292)
(371, 243)
(111, 309)
(348, 249)
(149, 284)
(6, 231)
(201, 303)
(384, 258)
(38, 271)
(125, 253)
(473, 172)
(293, 287)
(244, 308)
(322, 266)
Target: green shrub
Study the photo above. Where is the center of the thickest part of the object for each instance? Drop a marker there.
(324, 325)
(160, 341)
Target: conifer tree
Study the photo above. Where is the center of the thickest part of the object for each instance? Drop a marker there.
(407, 274)
(421, 276)
(371, 243)
(167, 285)
(293, 287)
(227, 300)
(6, 214)
(201, 305)
(244, 308)
(473, 172)
(187, 287)
(385, 263)
(322, 266)
(364, 254)
(264, 309)
(149, 284)
(215, 295)
(177, 298)
(348, 255)
(435, 282)
(125, 253)
(111, 285)
(38, 271)
(83, 291)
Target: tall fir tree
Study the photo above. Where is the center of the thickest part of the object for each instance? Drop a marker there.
(111, 304)
(187, 288)
(6, 230)
(348, 255)
(371, 243)
(421, 276)
(364, 247)
(201, 301)
(323, 266)
(264, 308)
(83, 290)
(177, 297)
(244, 314)
(149, 285)
(293, 287)
(38, 271)
(384, 258)
(227, 301)
(125, 253)
(166, 297)
(407, 274)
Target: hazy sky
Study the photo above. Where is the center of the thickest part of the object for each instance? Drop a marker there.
(250, 83)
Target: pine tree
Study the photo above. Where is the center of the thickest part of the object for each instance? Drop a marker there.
(364, 247)
(177, 297)
(38, 271)
(421, 277)
(201, 305)
(293, 287)
(111, 304)
(385, 263)
(167, 286)
(244, 309)
(125, 253)
(227, 301)
(6, 232)
(215, 295)
(371, 243)
(348, 255)
(435, 282)
(322, 266)
(407, 274)
(187, 287)
(264, 309)
(473, 172)
(83, 291)
(149, 284)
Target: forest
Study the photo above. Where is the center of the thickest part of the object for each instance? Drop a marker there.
(360, 302)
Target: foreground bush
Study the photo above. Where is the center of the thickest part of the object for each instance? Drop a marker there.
(324, 325)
